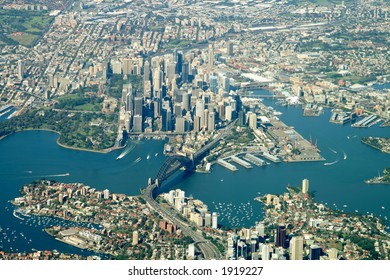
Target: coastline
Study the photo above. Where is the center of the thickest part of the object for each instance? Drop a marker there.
(104, 151)
(372, 146)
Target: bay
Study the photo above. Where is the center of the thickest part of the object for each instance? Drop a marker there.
(31, 155)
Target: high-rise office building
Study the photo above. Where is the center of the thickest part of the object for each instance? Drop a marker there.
(185, 72)
(135, 238)
(252, 120)
(211, 55)
(229, 48)
(264, 252)
(137, 123)
(186, 101)
(211, 121)
(214, 84)
(280, 235)
(296, 248)
(207, 220)
(146, 71)
(315, 252)
(138, 104)
(180, 125)
(305, 185)
(116, 67)
(200, 111)
(214, 220)
(106, 194)
(260, 229)
(228, 113)
(127, 66)
(20, 70)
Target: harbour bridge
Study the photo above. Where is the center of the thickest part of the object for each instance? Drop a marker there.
(175, 162)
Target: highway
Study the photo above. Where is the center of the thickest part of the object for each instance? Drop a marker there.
(209, 250)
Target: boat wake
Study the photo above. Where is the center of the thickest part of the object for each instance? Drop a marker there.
(333, 151)
(136, 161)
(16, 216)
(331, 163)
(126, 151)
(52, 175)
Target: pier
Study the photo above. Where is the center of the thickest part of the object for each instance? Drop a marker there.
(271, 157)
(366, 122)
(227, 165)
(240, 162)
(255, 160)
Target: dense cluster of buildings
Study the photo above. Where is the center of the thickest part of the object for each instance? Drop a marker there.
(129, 229)
(194, 210)
(296, 227)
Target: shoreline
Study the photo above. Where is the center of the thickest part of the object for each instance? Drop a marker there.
(104, 151)
(374, 147)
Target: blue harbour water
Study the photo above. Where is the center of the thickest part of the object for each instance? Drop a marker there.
(31, 155)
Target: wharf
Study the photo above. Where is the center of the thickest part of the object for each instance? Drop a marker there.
(271, 157)
(241, 162)
(227, 165)
(255, 160)
(366, 122)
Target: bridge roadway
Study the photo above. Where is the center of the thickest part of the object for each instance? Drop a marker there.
(209, 250)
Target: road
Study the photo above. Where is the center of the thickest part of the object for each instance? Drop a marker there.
(209, 250)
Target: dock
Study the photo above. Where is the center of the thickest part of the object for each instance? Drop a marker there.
(241, 162)
(271, 157)
(366, 122)
(255, 160)
(227, 165)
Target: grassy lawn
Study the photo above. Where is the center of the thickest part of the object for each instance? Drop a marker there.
(25, 39)
(30, 24)
(79, 103)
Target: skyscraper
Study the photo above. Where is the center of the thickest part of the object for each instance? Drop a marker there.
(305, 185)
(211, 121)
(20, 70)
(200, 111)
(138, 104)
(211, 55)
(229, 48)
(137, 123)
(264, 252)
(213, 84)
(185, 72)
(296, 248)
(280, 235)
(146, 71)
(186, 101)
(315, 252)
(135, 238)
(214, 222)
